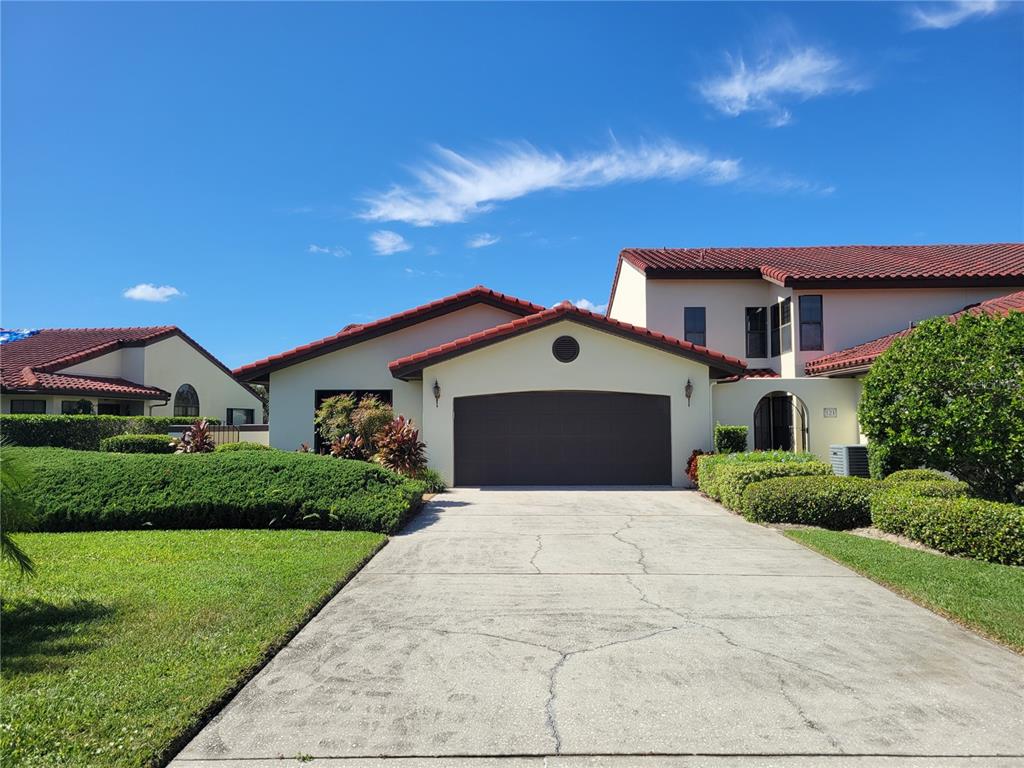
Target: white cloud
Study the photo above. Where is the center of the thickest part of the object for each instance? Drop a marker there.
(947, 15)
(150, 292)
(386, 242)
(453, 187)
(796, 75)
(336, 250)
(590, 306)
(482, 240)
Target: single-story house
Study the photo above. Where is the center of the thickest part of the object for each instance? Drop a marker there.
(508, 392)
(151, 371)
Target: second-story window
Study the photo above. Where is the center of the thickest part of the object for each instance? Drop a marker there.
(811, 336)
(775, 336)
(757, 332)
(694, 325)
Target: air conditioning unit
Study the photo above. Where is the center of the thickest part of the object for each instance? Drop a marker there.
(849, 460)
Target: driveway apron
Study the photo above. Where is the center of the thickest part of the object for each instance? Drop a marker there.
(618, 627)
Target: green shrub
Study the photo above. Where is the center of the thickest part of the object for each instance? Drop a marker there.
(985, 530)
(82, 433)
(730, 439)
(433, 481)
(242, 447)
(333, 419)
(829, 502)
(137, 444)
(708, 465)
(951, 396)
(943, 489)
(907, 475)
(83, 491)
(369, 418)
(725, 477)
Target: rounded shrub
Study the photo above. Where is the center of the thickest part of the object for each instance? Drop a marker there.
(433, 481)
(829, 502)
(138, 444)
(243, 446)
(906, 475)
(730, 438)
(723, 476)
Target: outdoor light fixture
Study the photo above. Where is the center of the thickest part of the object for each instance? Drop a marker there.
(437, 393)
(687, 390)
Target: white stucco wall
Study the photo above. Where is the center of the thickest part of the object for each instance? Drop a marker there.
(365, 366)
(171, 362)
(606, 363)
(734, 403)
(629, 304)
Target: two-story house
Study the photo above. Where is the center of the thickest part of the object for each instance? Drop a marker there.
(507, 392)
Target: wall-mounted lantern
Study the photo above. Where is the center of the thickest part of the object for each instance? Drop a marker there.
(688, 391)
(437, 393)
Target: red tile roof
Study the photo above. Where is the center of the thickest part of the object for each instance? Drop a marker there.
(836, 266)
(863, 355)
(31, 364)
(355, 333)
(411, 365)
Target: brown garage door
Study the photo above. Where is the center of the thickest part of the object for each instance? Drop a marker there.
(563, 438)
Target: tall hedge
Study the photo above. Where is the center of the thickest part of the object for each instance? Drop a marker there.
(730, 438)
(950, 396)
(87, 491)
(82, 433)
(724, 477)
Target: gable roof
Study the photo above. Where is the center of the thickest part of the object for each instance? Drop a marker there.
(359, 332)
(411, 366)
(860, 357)
(31, 363)
(838, 266)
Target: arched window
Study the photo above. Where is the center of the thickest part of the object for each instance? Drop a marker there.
(186, 401)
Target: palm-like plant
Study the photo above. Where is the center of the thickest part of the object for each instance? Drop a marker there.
(197, 439)
(17, 513)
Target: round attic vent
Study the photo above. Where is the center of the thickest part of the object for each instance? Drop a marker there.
(565, 349)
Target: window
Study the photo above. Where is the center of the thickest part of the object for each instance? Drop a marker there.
(781, 323)
(776, 338)
(241, 416)
(74, 407)
(186, 401)
(757, 332)
(28, 406)
(811, 336)
(694, 327)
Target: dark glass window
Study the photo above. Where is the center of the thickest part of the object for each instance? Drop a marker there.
(186, 401)
(757, 332)
(74, 407)
(694, 325)
(786, 325)
(241, 416)
(28, 406)
(811, 336)
(776, 338)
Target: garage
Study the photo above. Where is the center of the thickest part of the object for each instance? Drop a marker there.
(563, 438)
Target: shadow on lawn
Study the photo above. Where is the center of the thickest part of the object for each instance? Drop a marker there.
(39, 636)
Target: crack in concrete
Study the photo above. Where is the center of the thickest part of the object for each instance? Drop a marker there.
(641, 555)
(540, 546)
(808, 722)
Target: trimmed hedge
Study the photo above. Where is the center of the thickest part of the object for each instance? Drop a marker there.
(724, 477)
(82, 433)
(985, 530)
(85, 491)
(137, 444)
(243, 446)
(730, 439)
(907, 475)
(829, 502)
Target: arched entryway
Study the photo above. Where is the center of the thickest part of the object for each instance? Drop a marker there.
(780, 423)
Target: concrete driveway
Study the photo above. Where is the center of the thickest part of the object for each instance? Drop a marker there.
(618, 628)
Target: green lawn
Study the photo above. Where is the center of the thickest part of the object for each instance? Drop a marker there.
(986, 597)
(123, 639)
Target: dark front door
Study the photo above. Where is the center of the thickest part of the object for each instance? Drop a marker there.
(563, 438)
(773, 423)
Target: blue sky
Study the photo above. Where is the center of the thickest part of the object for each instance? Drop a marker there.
(264, 174)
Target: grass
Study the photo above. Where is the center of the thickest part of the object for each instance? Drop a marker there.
(986, 597)
(123, 640)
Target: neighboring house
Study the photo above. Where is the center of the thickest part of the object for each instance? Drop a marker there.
(156, 371)
(509, 392)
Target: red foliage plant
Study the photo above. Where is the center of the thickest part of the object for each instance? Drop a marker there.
(400, 449)
(197, 439)
(691, 464)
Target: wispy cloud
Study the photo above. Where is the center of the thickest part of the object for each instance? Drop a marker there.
(335, 250)
(150, 292)
(947, 15)
(411, 272)
(452, 187)
(590, 306)
(482, 240)
(386, 242)
(799, 75)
